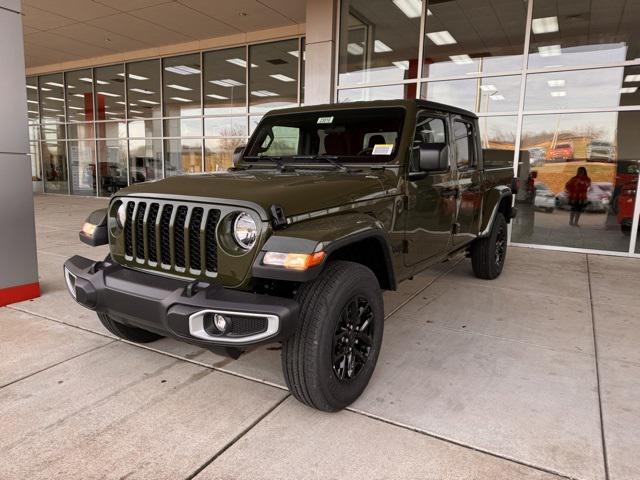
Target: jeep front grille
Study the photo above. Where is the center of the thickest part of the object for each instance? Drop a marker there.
(171, 236)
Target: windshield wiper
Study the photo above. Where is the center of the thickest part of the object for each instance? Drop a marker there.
(275, 159)
(332, 159)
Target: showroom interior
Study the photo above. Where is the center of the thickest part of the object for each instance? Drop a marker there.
(532, 375)
(554, 82)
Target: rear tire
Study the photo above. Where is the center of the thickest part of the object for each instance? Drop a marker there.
(329, 360)
(126, 332)
(489, 253)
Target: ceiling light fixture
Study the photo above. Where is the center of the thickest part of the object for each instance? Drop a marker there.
(136, 111)
(355, 49)
(282, 78)
(102, 82)
(556, 83)
(227, 82)
(544, 25)
(497, 97)
(108, 94)
(560, 93)
(32, 101)
(33, 87)
(180, 99)
(217, 97)
(550, 50)
(240, 62)
(461, 59)
(75, 108)
(632, 78)
(54, 84)
(264, 93)
(56, 99)
(441, 38)
(133, 76)
(80, 95)
(86, 79)
(380, 47)
(150, 102)
(402, 64)
(411, 8)
(488, 88)
(182, 70)
(629, 90)
(141, 90)
(180, 87)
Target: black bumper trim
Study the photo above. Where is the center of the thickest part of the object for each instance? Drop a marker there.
(163, 305)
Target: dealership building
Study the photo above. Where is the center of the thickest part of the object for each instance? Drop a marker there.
(119, 92)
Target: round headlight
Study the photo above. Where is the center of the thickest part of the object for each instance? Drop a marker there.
(245, 231)
(121, 215)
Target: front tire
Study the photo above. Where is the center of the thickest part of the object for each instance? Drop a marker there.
(126, 332)
(329, 360)
(489, 253)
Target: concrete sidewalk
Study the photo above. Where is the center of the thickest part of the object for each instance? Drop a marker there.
(533, 375)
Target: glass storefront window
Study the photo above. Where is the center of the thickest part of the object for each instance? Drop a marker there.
(181, 86)
(109, 91)
(225, 126)
(273, 82)
(182, 155)
(601, 88)
(484, 36)
(583, 33)
(498, 138)
(481, 95)
(79, 95)
(145, 159)
(54, 164)
(51, 94)
(183, 127)
(111, 129)
(219, 152)
(388, 92)
(32, 100)
(143, 89)
(379, 41)
(81, 130)
(36, 169)
(303, 56)
(145, 128)
(83, 168)
(225, 81)
(576, 169)
(112, 166)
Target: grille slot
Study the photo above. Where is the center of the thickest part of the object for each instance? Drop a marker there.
(194, 238)
(128, 240)
(140, 230)
(211, 244)
(178, 235)
(171, 235)
(152, 245)
(165, 242)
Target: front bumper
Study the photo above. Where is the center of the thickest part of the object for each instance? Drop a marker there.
(179, 308)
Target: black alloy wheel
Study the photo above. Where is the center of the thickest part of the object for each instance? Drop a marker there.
(353, 339)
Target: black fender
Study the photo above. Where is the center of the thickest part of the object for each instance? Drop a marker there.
(328, 234)
(491, 206)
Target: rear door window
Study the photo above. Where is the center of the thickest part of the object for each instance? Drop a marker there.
(465, 144)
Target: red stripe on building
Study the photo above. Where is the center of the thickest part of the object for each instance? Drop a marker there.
(19, 293)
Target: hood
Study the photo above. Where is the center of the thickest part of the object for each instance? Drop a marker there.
(296, 192)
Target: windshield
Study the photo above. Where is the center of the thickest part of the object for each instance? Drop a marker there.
(365, 135)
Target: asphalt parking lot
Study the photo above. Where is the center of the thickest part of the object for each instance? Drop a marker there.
(533, 375)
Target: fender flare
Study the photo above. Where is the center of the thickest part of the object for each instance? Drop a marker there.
(305, 238)
(494, 196)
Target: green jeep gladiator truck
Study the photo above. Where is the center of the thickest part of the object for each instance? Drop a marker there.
(325, 207)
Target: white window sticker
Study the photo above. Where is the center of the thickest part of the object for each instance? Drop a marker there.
(382, 149)
(325, 119)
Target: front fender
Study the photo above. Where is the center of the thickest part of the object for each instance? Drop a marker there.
(326, 234)
(491, 206)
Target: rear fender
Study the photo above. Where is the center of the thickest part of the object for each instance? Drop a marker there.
(497, 200)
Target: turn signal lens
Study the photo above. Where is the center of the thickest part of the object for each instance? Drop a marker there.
(88, 229)
(293, 261)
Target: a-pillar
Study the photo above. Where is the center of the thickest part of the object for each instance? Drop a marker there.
(18, 262)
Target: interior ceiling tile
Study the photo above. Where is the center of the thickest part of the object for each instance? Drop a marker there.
(41, 20)
(79, 10)
(128, 5)
(183, 19)
(245, 15)
(296, 10)
(96, 36)
(138, 29)
(54, 40)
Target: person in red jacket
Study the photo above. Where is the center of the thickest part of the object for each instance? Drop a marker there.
(577, 189)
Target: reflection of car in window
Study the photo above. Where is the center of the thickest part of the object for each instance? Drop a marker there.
(598, 198)
(600, 150)
(561, 152)
(626, 202)
(544, 198)
(536, 155)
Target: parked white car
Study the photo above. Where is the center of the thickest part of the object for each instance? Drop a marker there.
(544, 198)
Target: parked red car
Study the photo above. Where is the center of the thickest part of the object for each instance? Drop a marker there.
(626, 205)
(561, 152)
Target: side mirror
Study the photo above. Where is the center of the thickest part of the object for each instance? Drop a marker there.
(237, 154)
(434, 157)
